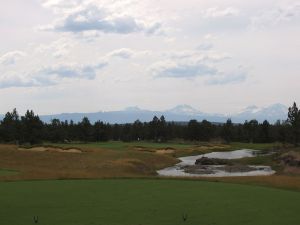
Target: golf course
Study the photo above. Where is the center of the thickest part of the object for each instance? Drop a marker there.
(115, 183)
(140, 112)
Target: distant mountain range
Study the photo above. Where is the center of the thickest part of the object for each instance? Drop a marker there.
(180, 113)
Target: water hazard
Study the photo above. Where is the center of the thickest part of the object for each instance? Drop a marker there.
(187, 167)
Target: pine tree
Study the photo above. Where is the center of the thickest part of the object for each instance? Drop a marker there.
(294, 120)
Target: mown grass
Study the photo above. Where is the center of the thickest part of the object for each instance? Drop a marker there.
(254, 146)
(149, 202)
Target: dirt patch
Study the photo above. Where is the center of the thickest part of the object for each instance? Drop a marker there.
(51, 149)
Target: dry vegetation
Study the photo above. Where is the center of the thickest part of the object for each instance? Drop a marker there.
(92, 163)
(50, 162)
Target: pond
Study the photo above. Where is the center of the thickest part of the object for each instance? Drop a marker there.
(187, 167)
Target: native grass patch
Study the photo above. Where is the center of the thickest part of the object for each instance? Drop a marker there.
(132, 159)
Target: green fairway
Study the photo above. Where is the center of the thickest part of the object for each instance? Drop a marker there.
(149, 202)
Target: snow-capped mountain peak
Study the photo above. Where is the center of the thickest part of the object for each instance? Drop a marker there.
(132, 109)
(184, 109)
(250, 109)
(271, 113)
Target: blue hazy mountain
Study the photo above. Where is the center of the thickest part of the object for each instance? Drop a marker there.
(180, 113)
(272, 113)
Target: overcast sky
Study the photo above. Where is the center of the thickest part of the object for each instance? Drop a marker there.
(92, 55)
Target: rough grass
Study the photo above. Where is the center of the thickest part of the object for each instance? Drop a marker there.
(127, 161)
(8, 172)
(149, 202)
(122, 146)
(92, 163)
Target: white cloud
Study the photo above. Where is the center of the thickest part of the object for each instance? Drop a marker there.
(187, 64)
(58, 48)
(193, 63)
(276, 16)
(60, 5)
(72, 71)
(10, 58)
(93, 16)
(185, 69)
(51, 75)
(218, 13)
(205, 46)
(23, 80)
(228, 78)
(126, 53)
(122, 53)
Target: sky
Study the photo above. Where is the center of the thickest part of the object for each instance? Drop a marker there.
(218, 56)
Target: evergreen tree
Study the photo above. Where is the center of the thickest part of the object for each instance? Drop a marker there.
(100, 132)
(85, 129)
(32, 128)
(193, 130)
(11, 126)
(251, 130)
(227, 131)
(162, 133)
(294, 120)
(206, 130)
(265, 132)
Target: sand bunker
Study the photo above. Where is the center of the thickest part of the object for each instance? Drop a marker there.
(165, 151)
(51, 149)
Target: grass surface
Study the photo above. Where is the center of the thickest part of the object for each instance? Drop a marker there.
(133, 162)
(149, 202)
(7, 172)
(119, 145)
(254, 146)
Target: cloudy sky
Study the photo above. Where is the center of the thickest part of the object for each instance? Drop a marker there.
(91, 55)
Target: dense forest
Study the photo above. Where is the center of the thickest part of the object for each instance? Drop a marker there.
(30, 129)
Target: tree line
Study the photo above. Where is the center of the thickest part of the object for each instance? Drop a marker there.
(30, 129)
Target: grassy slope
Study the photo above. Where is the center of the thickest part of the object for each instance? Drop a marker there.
(150, 202)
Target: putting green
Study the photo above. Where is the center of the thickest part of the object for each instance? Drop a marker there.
(148, 202)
